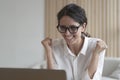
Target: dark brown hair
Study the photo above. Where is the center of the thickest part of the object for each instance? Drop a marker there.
(75, 12)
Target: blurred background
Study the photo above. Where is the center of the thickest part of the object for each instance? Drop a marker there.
(21, 32)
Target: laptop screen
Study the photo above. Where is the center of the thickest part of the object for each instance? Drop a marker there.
(31, 74)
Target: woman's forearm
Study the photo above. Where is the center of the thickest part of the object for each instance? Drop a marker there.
(47, 43)
(50, 64)
(93, 65)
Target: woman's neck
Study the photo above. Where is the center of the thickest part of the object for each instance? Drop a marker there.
(76, 47)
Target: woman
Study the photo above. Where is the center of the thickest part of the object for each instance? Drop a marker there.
(81, 56)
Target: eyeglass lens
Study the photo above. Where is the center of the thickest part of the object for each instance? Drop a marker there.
(71, 29)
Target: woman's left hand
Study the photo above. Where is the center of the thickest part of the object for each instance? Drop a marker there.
(100, 46)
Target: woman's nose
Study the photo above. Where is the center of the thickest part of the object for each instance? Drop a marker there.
(67, 32)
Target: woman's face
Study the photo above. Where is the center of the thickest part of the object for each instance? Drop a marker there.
(71, 38)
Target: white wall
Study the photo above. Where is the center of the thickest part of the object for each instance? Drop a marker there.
(21, 30)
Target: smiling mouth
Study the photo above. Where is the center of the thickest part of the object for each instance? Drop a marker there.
(69, 38)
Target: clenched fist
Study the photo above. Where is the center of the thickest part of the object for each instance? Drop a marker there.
(100, 46)
(47, 43)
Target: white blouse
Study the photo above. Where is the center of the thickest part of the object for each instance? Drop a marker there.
(76, 66)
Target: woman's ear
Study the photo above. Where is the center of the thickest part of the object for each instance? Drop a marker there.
(84, 27)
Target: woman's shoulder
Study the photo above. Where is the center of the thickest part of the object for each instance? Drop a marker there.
(92, 40)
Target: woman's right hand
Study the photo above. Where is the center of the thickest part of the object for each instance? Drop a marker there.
(47, 43)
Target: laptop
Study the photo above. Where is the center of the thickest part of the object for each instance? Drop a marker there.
(31, 74)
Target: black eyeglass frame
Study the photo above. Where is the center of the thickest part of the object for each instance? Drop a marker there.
(68, 28)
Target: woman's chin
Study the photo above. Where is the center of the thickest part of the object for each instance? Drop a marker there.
(69, 41)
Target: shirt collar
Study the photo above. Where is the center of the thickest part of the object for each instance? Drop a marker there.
(85, 46)
(66, 49)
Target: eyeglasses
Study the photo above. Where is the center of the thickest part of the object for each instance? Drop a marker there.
(72, 29)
